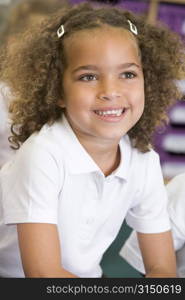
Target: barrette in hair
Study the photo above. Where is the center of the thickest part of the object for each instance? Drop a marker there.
(60, 31)
(133, 28)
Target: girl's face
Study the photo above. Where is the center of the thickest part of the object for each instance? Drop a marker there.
(103, 84)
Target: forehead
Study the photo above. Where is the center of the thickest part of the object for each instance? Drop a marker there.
(106, 41)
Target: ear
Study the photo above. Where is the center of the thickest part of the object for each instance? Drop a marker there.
(61, 103)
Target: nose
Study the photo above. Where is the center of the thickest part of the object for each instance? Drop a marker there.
(109, 90)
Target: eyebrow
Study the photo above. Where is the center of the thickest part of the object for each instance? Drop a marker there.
(95, 68)
(128, 65)
(86, 67)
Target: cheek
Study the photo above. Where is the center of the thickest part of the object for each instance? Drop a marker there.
(138, 102)
(74, 103)
(138, 97)
(141, 104)
(78, 99)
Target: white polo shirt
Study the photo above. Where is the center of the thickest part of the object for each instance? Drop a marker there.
(52, 179)
(176, 208)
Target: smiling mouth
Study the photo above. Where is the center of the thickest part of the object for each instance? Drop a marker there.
(110, 113)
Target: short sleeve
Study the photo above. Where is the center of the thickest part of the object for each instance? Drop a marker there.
(149, 213)
(30, 185)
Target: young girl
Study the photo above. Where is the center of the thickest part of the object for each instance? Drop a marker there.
(90, 86)
(176, 195)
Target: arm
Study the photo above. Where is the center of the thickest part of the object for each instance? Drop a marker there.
(158, 254)
(40, 251)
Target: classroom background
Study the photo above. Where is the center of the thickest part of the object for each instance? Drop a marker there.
(169, 141)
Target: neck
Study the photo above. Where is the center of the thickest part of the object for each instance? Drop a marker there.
(106, 154)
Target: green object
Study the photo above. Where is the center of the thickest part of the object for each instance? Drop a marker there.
(113, 265)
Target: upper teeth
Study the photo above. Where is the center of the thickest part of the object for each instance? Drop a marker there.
(116, 112)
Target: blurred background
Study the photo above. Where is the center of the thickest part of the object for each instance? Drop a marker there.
(169, 141)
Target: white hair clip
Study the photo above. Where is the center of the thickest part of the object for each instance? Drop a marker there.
(133, 28)
(60, 31)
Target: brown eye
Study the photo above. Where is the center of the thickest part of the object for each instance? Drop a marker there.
(88, 77)
(128, 75)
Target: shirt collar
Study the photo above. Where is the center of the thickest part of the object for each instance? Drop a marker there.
(79, 161)
(125, 150)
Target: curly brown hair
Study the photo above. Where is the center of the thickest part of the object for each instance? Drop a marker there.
(34, 71)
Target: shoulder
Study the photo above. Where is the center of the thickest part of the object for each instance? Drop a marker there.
(138, 159)
(43, 143)
(140, 169)
(40, 153)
